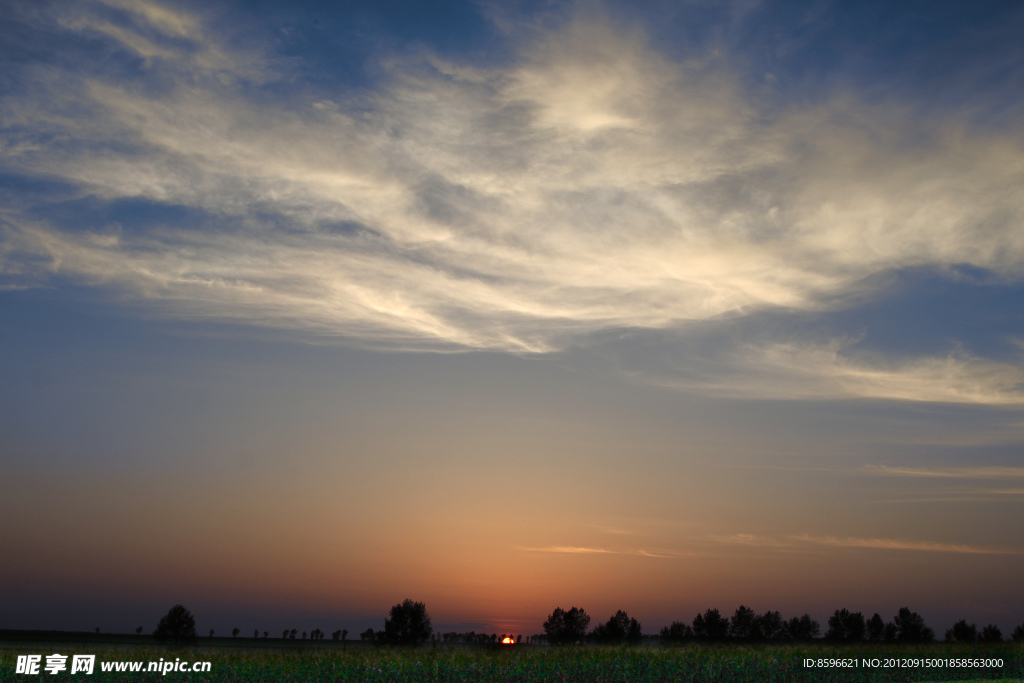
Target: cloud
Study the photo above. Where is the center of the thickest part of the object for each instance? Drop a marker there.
(950, 472)
(804, 541)
(574, 550)
(796, 371)
(893, 544)
(590, 184)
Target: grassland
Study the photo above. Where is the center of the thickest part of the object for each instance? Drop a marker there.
(517, 664)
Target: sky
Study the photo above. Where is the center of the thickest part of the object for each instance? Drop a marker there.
(502, 307)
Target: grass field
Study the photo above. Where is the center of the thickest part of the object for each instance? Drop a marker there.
(518, 664)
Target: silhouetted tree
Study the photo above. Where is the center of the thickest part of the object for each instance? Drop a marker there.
(677, 632)
(409, 624)
(294, 632)
(991, 634)
(138, 631)
(771, 627)
(802, 628)
(178, 625)
(266, 634)
(234, 632)
(962, 632)
(910, 627)
(845, 626)
(285, 634)
(1018, 633)
(344, 634)
(368, 634)
(563, 628)
(875, 628)
(211, 633)
(619, 629)
(256, 633)
(711, 625)
(743, 624)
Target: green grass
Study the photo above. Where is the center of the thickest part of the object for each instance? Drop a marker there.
(690, 663)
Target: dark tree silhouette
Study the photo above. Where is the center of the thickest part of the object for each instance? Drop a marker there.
(677, 632)
(962, 632)
(294, 632)
(211, 633)
(991, 634)
(368, 635)
(138, 631)
(770, 626)
(711, 625)
(743, 624)
(409, 624)
(285, 634)
(1018, 633)
(178, 625)
(802, 628)
(910, 627)
(256, 633)
(619, 629)
(234, 632)
(266, 634)
(875, 628)
(563, 628)
(344, 634)
(845, 626)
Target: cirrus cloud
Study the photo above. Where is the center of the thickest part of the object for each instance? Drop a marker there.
(590, 183)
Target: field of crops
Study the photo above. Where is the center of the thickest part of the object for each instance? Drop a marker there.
(516, 664)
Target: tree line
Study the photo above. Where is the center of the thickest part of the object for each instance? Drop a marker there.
(745, 625)
(408, 623)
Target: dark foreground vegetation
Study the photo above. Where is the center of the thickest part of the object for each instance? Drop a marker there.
(744, 647)
(437, 663)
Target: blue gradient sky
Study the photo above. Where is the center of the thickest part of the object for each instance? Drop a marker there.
(509, 306)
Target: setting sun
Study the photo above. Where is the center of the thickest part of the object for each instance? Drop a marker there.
(507, 640)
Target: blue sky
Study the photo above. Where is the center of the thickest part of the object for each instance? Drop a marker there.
(576, 292)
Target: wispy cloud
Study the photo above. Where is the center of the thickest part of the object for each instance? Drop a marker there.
(808, 371)
(894, 544)
(800, 542)
(576, 550)
(986, 472)
(572, 550)
(591, 183)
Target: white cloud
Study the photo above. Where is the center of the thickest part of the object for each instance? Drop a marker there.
(591, 184)
(831, 371)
